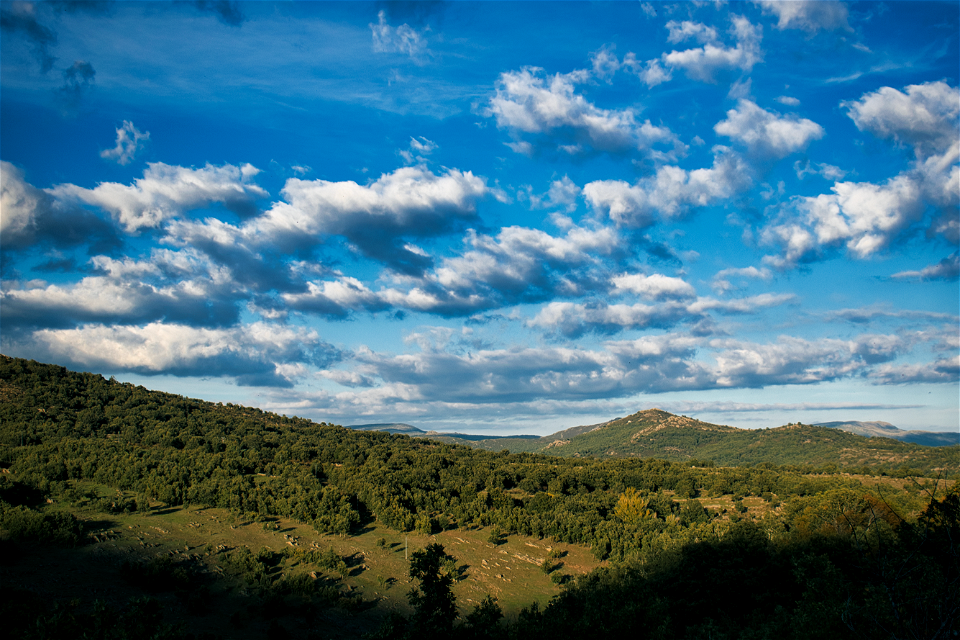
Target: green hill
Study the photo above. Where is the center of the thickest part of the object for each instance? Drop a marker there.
(657, 434)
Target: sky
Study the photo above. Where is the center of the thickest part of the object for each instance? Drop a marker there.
(490, 217)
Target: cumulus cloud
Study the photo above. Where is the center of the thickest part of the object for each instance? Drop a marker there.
(130, 141)
(605, 63)
(947, 269)
(573, 320)
(411, 202)
(167, 191)
(765, 133)
(562, 195)
(335, 298)
(128, 292)
(31, 215)
(622, 368)
(925, 117)
(671, 192)
(866, 218)
(402, 39)
(706, 62)
(255, 354)
(550, 109)
(939, 371)
(240, 256)
(656, 286)
(721, 280)
(517, 265)
(828, 171)
(524, 374)
(808, 15)
(792, 360)
(680, 31)
(418, 151)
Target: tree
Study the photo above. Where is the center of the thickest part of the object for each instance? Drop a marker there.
(435, 608)
(483, 623)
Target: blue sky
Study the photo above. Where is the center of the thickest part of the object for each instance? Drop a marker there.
(490, 217)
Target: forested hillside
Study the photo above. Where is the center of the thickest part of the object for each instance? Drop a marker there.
(651, 519)
(658, 434)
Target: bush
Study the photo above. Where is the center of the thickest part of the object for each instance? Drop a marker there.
(26, 525)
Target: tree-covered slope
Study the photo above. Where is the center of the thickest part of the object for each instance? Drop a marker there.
(657, 434)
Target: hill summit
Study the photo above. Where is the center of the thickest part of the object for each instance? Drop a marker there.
(654, 433)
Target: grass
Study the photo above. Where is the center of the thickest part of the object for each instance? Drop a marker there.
(200, 540)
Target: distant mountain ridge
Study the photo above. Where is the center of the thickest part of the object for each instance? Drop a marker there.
(653, 433)
(415, 432)
(390, 427)
(886, 430)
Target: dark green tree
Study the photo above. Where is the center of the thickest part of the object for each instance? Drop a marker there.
(435, 606)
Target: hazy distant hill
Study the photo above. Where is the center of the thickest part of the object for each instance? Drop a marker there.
(410, 430)
(390, 427)
(657, 434)
(887, 430)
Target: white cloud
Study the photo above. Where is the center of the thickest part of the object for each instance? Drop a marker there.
(402, 39)
(258, 353)
(680, 31)
(721, 281)
(517, 265)
(605, 63)
(167, 191)
(864, 217)
(946, 269)
(652, 73)
(765, 133)
(788, 101)
(792, 360)
(808, 15)
(828, 171)
(651, 364)
(741, 305)
(941, 370)
(419, 149)
(31, 217)
(19, 202)
(563, 194)
(526, 102)
(410, 202)
(130, 141)
(925, 117)
(656, 286)
(704, 63)
(575, 319)
(175, 286)
(670, 193)
(335, 298)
